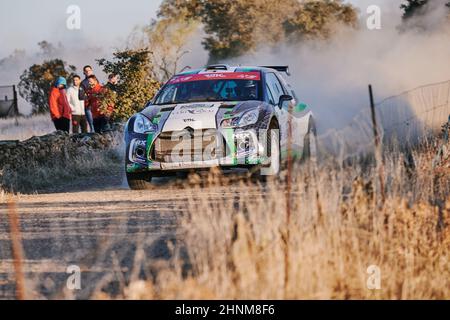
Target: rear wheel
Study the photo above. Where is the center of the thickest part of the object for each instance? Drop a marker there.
(139, 181)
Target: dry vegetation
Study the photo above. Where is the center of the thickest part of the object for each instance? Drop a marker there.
(339, 227)
(240, 247)
(86, 169)
(22, 128)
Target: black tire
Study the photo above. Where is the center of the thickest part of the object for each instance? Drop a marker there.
(262, 176)
(139, 181)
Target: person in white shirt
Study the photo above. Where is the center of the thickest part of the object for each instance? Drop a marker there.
(77, 106)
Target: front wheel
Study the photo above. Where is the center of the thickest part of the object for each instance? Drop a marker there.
(273, 152)
(139, 181)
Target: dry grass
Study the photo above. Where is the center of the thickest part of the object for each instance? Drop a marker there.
(22, 128)
(86, 168)
(236, 245)
(339, 227)
(89, 168)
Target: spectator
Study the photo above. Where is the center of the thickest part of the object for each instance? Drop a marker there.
(82, 95)
(59, 106)
(94, 100)
(77, 107)
(112, 82)
(111, 85)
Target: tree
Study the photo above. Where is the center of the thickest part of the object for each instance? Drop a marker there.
(13, 59)
(47, 48)
(412, 7)
(415, 14)
(136, 86)
(36, 82)
(315, 19)
(415, 7)
(237, 27)
(168, 39)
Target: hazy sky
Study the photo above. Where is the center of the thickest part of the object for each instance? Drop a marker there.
(23, 23)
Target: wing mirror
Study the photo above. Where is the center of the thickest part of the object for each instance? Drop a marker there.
(283, 99)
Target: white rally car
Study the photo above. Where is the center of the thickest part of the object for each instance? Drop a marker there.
(230, 117)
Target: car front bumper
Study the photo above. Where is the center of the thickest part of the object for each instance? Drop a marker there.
(244, 148)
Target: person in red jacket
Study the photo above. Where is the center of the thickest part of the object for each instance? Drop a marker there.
(60, 110)
(94, 94)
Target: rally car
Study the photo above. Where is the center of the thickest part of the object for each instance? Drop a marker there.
(218, 116)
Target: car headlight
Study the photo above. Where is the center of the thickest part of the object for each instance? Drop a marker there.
(142, 124)
(247, 119)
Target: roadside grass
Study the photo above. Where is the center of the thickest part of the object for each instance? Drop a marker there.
(340, 235)
(87, 168)
(22, 128)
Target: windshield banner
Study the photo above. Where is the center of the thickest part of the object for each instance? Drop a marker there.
(216, 76)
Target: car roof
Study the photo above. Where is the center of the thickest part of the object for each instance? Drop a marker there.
(226, 68)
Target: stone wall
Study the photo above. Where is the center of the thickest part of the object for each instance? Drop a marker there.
(55, 146)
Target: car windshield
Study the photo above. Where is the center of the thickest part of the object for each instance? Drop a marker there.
(236, 86)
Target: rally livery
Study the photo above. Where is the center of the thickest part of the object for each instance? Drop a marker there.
(231, 117)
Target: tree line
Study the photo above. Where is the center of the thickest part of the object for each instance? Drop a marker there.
(231, 29)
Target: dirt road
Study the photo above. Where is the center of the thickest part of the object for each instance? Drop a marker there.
(94, 229)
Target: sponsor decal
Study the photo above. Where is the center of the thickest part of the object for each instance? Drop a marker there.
(200, 116)
(216, 75)
(180, 79)
(195, 109)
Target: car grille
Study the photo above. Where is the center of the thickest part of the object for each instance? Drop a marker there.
(188, 145)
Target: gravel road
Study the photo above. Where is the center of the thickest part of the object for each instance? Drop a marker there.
(96, 229)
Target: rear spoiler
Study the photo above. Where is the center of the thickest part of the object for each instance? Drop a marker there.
(284, 69)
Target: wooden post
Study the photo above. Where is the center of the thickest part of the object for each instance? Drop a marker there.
(16, 104)
(288, 200)
(17, 250)
(378, 147)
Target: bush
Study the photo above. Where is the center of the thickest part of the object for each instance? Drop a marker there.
(136, 85)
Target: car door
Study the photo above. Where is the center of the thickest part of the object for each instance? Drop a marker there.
(300, 117)
(275, 91)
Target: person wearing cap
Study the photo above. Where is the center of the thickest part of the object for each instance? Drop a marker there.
(60, 110)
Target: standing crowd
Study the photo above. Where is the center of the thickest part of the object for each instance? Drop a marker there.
(80, 103)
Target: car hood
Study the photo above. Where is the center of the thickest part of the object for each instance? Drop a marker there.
(196, 115)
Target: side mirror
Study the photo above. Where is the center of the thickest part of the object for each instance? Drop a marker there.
(283, 99)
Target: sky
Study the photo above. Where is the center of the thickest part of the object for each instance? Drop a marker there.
(104, 23)
(23, 23)
(105, 26)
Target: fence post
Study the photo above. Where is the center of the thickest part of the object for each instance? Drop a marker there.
(16, 248)
(288, 201)
(16, 104)
(378, 147)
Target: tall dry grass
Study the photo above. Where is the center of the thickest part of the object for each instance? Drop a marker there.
(236, 244)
